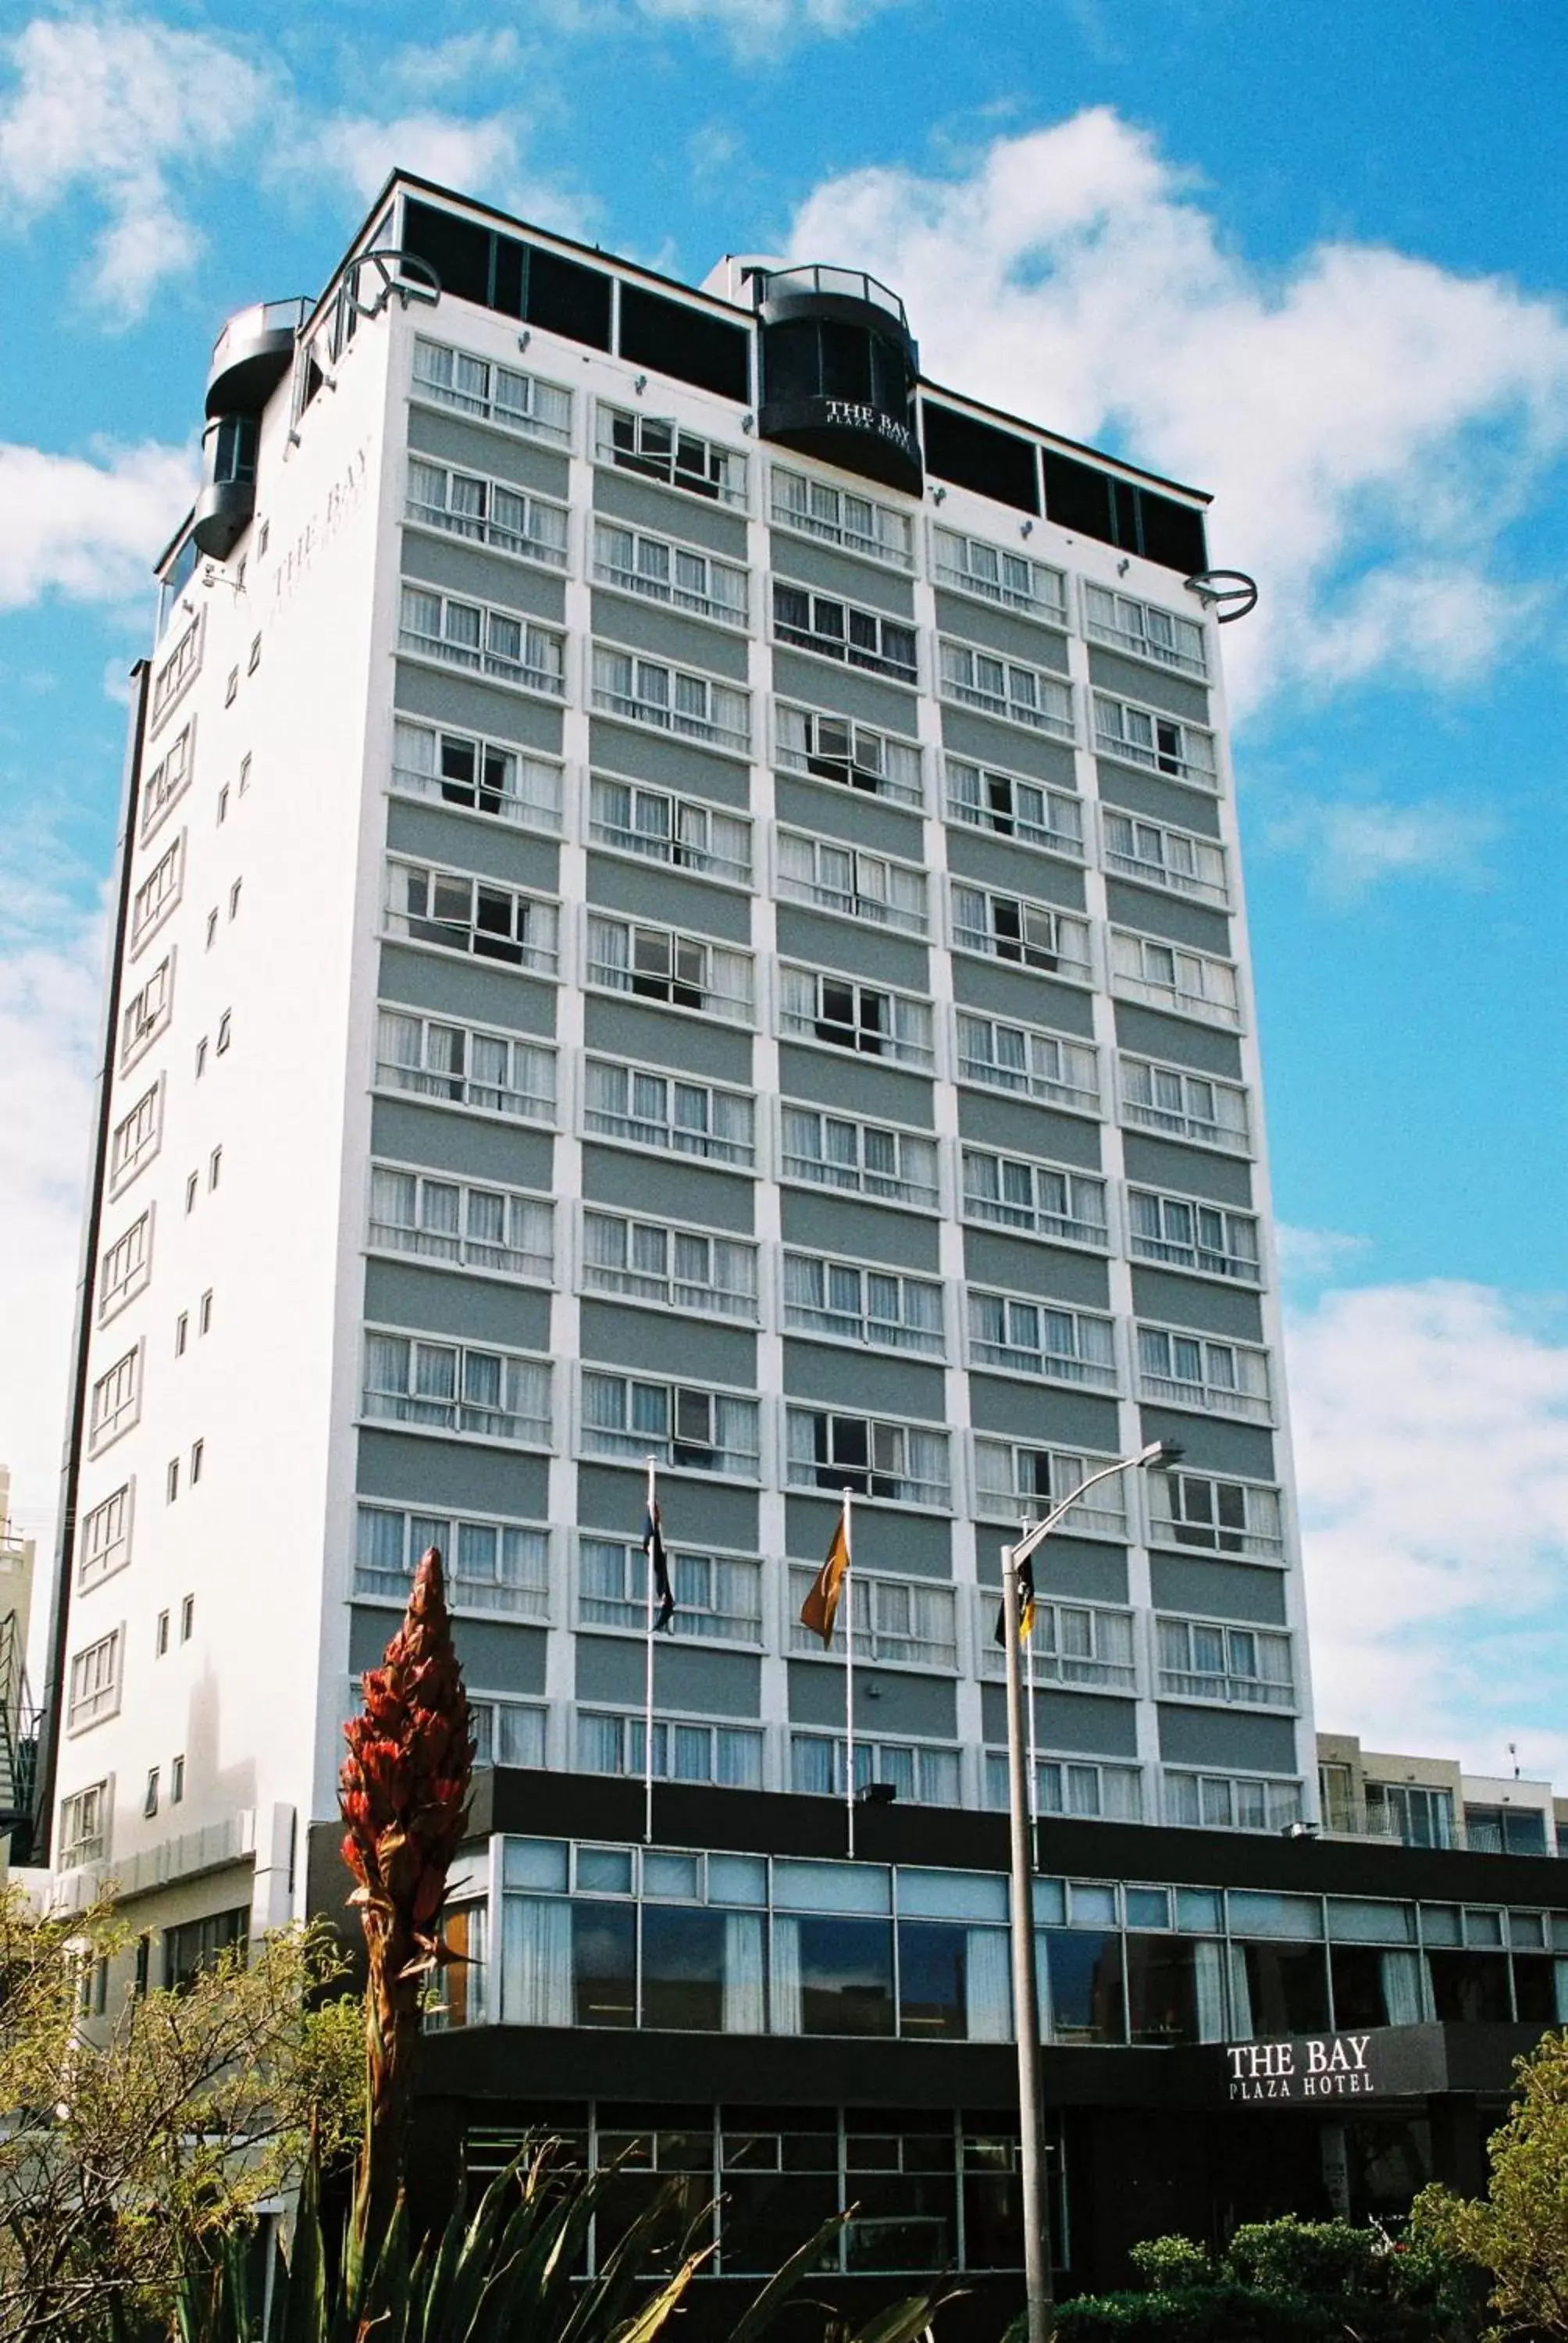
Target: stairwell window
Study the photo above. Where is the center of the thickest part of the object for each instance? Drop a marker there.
(148, 1013)
(159, 893)
(126, 1266)
(450, 909)
(1036, 1338)
(840, 630)
(663, 450)
(976, 567)
(1185, 1106)
(499, 1230)
(95, 1681)
(1214, 1515)
(1033, 935)
(103, 1539)
(832, 749)
(1142, 736)
(646, 691)
(837, 517)
(1202, 1660)
(1035, 1065)
(1188, 983)
(450, 1387)
(1012, 1193)
(492, 1074)
(683, 971)
(490, 1565)
(850, 1015)
(1186, 1235)
(678, 1268)
(718, 1597)
(678, 1424)
(1013, 808)
(500, 395)
(501, 644)
(1175, 860)
(1005, 688)
(905, 1464)
(677, 1116)
(1178, 1370)
(663, 571)
(1144, 630)
(868, 887)
(877, 1309)
(167, 780)
(867, 1159)
(1014, 1482)
(685, 832)
(488, 512)
(116, 1401)
(458, 768)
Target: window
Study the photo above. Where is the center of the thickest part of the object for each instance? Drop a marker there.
(1145, 631)
(1227, 1801)
(497, 1230)
(679, 1269)
(1035, 935)
(1177, 859)
(1185, 1106)
(135, 1139)
(187, 1617)
(500, 395)
(192, 1183)
(840, 630)
(177, 1781)
(126, 1266)
(487, 511)
(666, 572)
(828, 1151)
(222, 805)
(204, 1318)
(95, 1685)
(490, 1565)
(177, 673)
(224, 1031)
(116, 1401)
(211, 929)
(645, 691)
(161, 1635)
(717, 1597)
(253, 662)
(1022, 695)
(661, 450)
(875, 1459)
(171, 1479)
(1078, 1643)
(1415, 1816)
(84, 1826)
(231, 688)
(245, 773)
(898, 1621)
(1012, 1193)
(1191, 1371)
(492, 1074)
(726, 1754)
(1201, 1660)
(698, 1431)
(832, 749)
(507, 1731)
(157, 894)
(838, 517)
(857, 886)
(167, 780)
(472, 915)
(103, 1539)
(1194, 1509)
(1014, 1481)
(1141, 736)
(1186, 1235)
(234, 894)
(1025, 811)
(201, 1051)
(681, 832)
(503, 643)
(1022, 1058)
(1036, 1338)
(919, 1774)
(451, 1387)
(853, 1016)
(659, 1111)
(1112, 1793)
(199, 1450)
(975, 566)
(1505, 1830)
(1189, 984)
(150, 1798)
(197, 1945)
(683, 971)
(458, 769)
(214, 1168)
(872, 1306)
(146, 1013)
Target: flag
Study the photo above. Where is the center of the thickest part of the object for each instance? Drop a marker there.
(1025, 1604)
(659, 1562)
(820, 1607)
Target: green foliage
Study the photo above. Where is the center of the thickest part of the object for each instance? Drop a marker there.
(1217, 2312)
(1170, 2265)
(1334, 2258)
(1516, 2236)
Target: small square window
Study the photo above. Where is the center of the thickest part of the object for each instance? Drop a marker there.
(176, 1780)
(223, 1025)
(172, 1481)
(255, 659)
(187, 1618)
(233, 898)
(211, 930)
(150, 1801)
(201, 1058)
(231, 687)
(191, 1186)
(161, 1635)
(214, 1167)
(182, 1332)
(205, 1320)
(222, 805)
(196, 1448)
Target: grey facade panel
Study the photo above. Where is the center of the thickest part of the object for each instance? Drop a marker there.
(1200, 1301)
(1216, 1736)
(991, 862)
(696, 1513)
(445, 696)
(1136, 791)
(669, 512)
(685, 1678)
(850, 1084)
(854, 946)
(663, 1037)
(887, 1702)
(1217, 1589)
(1021, 996)
(823, 1221)
(450, 984)
(404, 1468)
(464, 1307)
(1187, 1170)
(814, 682)
(1025, 1265)
(1155, 687)
(1043, 1413)
(495, 1658)
(496, 849)
(641, 752)
(1070, 1724)
(832, 571)
(992, 1119)
(637, 624)
(1075, 1570)
(667, 1188)
(1179, 1040)
(646, 890)
(459, 567)
(832, 809)
(659, 1342)
(1014, 748)
(479, 1147)
(1156, 913)
(905, 1546)
(970, 619)
(502, 455)
(816, 1373)
(1212, 1443)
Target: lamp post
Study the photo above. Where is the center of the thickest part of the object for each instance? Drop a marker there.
(1162, 1453)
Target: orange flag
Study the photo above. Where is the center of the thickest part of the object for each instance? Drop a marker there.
(820, 1607)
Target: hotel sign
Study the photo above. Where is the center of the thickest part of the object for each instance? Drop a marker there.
(1311, 2068)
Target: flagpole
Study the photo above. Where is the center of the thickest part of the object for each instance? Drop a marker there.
(848, 1676)
(648, 1685)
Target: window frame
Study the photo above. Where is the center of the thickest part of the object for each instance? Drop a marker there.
(135, 1270)
(541, 1433)
(1138, 873)
(1036, 1219)
(632, 706)
(1248, 1541)
(647, 1288)
(742, 1155)
(693, 964)
(98, 1558)
(405, 925)
(724, 477)
(879, 1643)
(893, 1045)
(84, 1819)
(1215, 1398)
(914, 1196)
(632, 1603)
(467, 1103)
(960, 578)
(639, 1442)
(1072, 1097)
(482, 529)
(1013, 1357)
(517, 422)
(1191, 1130)
(1106, 1515)
(1098, 1668)
(146, 1015)
(1233, 1685)
(860, 1327)
(104, 1431)
(1069, 843)
(702, 604)
(1171, 759)
(461, 1583)
(818, 528)
(470, 1255)
(840, 766)
(1005, 705)
(872, 655)
(158, 794)
(1034, 919)
(123, 1168)
(683, 853)
(1173, 998)
(863, 905)
(539, 680)
(95, 1682)
(542, 810)
(1133, 643)
(159, 896)
(1195, 1259)
(833, 1472)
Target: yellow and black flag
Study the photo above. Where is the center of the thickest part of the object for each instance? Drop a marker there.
(1025, 1604)
(820, 1607)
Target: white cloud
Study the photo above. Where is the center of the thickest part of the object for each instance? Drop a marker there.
(1353, 846)
(88, 530)
(1312, 1256)
(1369, 423)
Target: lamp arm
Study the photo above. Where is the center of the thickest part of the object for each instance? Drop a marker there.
(1041, 1529)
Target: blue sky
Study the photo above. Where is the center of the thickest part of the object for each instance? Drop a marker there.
(1310, 259)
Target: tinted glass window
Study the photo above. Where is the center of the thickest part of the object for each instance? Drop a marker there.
(683, 1968)
(1173, 534)
(565, 297)
(846, 1976)
(604, 1963)
(846, 361)
(1086, 1995)
(977, 456)
(789, 360)
(931, 1981)
(457, 250)
(1288, 1987)
(1535, 1989)
(676, 339)
(1174, 1992)
(1470, 1989)
(1078, 496)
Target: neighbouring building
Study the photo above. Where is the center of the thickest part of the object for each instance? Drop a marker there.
(1430, 1802)
(18, 1730)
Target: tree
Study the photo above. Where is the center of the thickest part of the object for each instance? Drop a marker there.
(1518, 2232)
(130, 2143)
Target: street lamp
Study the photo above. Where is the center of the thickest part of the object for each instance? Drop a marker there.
(1160, 1454)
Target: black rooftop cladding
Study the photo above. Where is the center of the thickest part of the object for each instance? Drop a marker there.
(973, 455)
(1092, 503)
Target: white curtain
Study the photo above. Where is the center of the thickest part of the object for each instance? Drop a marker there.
(1208, 1970)
(536, 1962)
(1241, 1997)
(784, 1996)
(1402, 1982)
(988, 1994)
(745, 2003)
